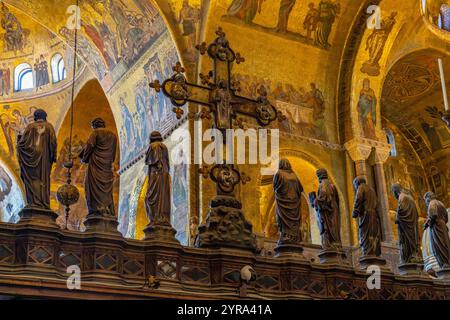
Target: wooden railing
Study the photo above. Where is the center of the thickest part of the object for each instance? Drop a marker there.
(34, 261)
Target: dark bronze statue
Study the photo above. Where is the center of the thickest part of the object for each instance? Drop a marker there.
(407, 220)
(437, 222)
(326, 204)
(36, 151)
(157, 200)
(288, 193)
(99, 154)
(365, 210)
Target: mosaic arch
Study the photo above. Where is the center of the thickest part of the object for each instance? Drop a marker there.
(410, 104)
(125, 49)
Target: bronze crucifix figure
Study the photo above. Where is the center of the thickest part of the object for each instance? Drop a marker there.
(220, 94)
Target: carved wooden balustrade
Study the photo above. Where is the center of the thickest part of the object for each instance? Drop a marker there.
(34, 261)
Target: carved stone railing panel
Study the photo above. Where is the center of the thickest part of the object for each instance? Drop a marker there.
(111, 266)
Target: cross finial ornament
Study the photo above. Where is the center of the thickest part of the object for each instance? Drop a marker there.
(156, 85)
(239, 58)
(178, 68)
(220, 95)
(202, 48)
(220, 32)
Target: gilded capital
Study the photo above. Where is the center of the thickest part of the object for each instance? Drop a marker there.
(358, 150)
(382, 153)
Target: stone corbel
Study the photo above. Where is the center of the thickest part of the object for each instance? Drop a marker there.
(358, 149)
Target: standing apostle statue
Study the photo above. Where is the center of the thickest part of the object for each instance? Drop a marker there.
(99, 154)
(407, 219)
(437, 223)
(158, 197)
(326, 204)
(328, 215)
(36, 152)
(288, 193)
(365, 210)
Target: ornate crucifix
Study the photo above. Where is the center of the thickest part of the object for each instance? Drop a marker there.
(225, 225)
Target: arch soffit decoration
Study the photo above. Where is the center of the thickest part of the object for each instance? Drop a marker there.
(160, 5)
(165, 12)
(433, 49)
(349, 84)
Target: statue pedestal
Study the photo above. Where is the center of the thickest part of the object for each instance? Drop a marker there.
(332, 256)
(40, 216)
(161, 233)
(226, 226)
(411, 269)
(366, 261)
(289, 249)
(97, 223)
(444, 274)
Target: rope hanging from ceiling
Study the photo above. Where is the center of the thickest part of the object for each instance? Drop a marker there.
(68, 194)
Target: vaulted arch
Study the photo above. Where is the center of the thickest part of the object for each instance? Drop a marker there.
(90, 103)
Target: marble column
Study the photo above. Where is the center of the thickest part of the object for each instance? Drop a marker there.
(381, 155)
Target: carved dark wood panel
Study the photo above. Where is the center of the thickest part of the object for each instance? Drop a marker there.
(40, 253)
(268, 282)
(133, 266)
(166, 268)
(6, 253)
(106, 262)
(195, 274)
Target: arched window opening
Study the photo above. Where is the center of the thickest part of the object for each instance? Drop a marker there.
(23, 77)
(391, 140)
(59, 72)
(424, 6)
(444, 17)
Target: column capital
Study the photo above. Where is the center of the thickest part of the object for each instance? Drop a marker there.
(358, 149)
(382, 153)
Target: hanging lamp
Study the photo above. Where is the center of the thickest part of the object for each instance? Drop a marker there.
(68, 194)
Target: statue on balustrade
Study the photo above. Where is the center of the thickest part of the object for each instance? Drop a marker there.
(157, 199)
(36, 152)
(99, 154)
(326, 204)
(288, 193)
(365, 210)
(407, 220)
(437, 223)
